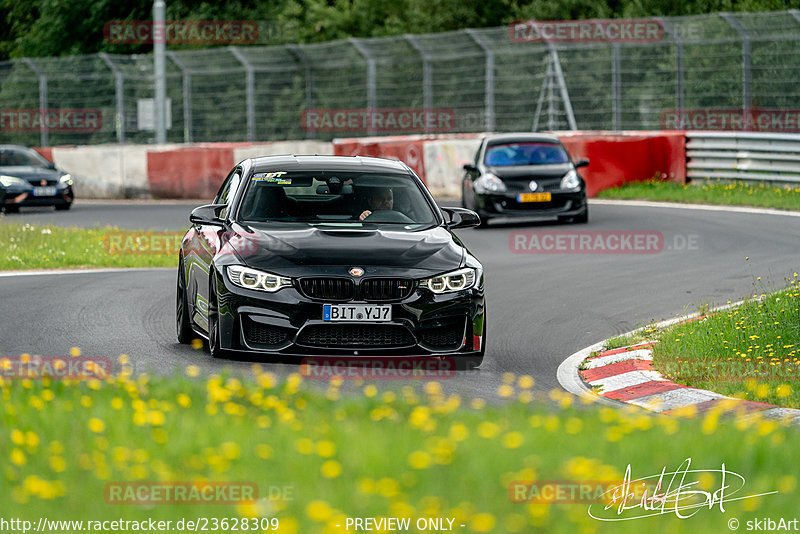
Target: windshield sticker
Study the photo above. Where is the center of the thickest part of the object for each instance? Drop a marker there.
(272, 177)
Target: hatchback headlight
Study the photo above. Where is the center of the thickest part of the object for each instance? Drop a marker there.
(489, 183)
(8, 181)
(570, 180)
(66, 179)
(248, 278)
(452, 281)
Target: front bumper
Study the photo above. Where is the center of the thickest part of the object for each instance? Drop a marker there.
(290, 323)
(24, 196)
(568, 203)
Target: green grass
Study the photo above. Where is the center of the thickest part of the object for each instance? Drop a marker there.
(27, 246)
(735, 194)
(751, 351)
(409, 452)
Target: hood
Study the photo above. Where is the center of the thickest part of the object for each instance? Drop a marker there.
(527, 172)
(292, 252)
(32, 174)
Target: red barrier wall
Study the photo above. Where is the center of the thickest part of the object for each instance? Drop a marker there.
(189, 172)
(618, 159)
(406, 149)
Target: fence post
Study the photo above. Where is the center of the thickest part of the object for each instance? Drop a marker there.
(119, 88)
(159, 69)
(427, 74)
(251, 90)
(44, 134)
(616, 88)
(187, 96)
(302, 57)
(679, 80)
(746, 60)
(371, 77)
(489, 75)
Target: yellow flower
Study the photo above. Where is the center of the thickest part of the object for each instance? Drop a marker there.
(18, 457)
(318, 510)
(96, 425)
(419, 459)
(193, 370)
(331, 469)
(513, 440)
(482, 522)
(488, 430)
(326, 449)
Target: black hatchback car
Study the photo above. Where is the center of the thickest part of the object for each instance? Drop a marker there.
(330, 255)
(28, 179)
(524, 175)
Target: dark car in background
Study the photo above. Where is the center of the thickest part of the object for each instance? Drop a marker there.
(524, 175)
(330, 256)
(28, 179)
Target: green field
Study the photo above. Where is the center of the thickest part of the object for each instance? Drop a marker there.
(733, 194)
(27, 246)
(401, 451)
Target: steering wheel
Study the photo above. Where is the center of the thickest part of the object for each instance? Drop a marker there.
(390, 216)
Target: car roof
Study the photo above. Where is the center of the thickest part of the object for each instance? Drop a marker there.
(521, 137)
(330, 163)
(16, 147)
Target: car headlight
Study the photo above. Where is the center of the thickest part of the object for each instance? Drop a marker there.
(489, 183)
(66, 179)
(452, 281)
(570, 180)
(248, 278)
(8, 181)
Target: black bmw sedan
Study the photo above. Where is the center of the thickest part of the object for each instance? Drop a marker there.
(332, 256)
(524, 175)
(28, 179)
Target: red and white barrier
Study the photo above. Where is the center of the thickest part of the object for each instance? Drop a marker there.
(196, 171)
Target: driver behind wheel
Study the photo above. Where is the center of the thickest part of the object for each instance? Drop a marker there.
(378, 198)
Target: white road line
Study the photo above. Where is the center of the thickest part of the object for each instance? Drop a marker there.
(700, 207)
(626, 380)
(675, 398)
(58, 272)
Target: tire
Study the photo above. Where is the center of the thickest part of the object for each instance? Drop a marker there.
(582, 218)
(214, 346)
(63, 207)
(12, 209)
(184, 327)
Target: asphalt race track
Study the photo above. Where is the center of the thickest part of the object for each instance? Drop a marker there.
(541, 307)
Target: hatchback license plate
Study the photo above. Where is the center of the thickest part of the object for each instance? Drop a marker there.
(44, 191)
(359, 313)
(534, 197)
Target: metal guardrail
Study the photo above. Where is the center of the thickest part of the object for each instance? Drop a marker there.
(767, 157)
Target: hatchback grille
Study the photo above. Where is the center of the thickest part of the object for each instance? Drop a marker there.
(264, 334)
(327, 288)
(382, 289)
(355, 335)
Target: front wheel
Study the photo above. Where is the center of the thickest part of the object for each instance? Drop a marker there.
(185, 333)
(214, 344)
(583, 218)
(63, 207)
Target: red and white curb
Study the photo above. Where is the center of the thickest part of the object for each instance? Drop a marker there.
(625, 376)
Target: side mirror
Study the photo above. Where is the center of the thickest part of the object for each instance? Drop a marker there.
(208, 214)
(461, 218)
(582, 163)
(470, 167)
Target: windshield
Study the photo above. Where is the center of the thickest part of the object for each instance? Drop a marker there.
(21, 157)
(510, 154)
(336, 198)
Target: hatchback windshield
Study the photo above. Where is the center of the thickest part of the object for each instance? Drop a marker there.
(335, 198)
(510, 154)
(20, 157)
